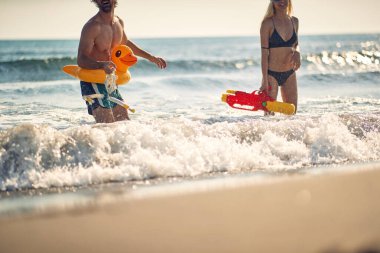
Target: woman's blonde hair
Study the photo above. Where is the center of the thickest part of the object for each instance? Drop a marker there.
(271, 10)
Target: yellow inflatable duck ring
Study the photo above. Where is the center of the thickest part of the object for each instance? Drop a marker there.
(123, 58)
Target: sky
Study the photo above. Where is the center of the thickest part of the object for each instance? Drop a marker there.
(64, 19)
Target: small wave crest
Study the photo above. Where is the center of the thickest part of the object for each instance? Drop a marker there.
(34, 69)
(326, 62)
(346, 62)
(36, 156)
(50, 69)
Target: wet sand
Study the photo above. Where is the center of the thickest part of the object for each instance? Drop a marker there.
(328, 212)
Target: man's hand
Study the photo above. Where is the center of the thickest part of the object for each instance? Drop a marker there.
(108, 66)
(161, 63)
(296, 60)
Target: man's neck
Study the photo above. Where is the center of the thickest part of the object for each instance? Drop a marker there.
(107, 17)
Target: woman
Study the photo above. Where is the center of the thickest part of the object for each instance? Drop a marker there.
(279, 56)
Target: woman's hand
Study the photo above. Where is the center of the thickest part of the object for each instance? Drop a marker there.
(296, 60)
(264, 85)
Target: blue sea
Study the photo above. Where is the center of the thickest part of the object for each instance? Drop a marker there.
(181, 130)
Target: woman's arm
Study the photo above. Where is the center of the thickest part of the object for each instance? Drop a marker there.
(264, 38)
(296, 57)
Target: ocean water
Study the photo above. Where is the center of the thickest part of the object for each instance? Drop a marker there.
(181, 130)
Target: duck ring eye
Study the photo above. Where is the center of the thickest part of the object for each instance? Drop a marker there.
(118, 53)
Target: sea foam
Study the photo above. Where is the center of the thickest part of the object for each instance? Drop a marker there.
(39, 156)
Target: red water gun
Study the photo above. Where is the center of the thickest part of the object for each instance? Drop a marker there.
(257, 100)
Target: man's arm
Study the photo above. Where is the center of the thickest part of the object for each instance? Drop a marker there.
(86, 45)
(161, 63)
(139, 52)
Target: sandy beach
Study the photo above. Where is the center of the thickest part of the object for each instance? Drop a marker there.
(328, 212)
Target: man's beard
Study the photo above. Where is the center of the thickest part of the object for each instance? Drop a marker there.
(105, 7)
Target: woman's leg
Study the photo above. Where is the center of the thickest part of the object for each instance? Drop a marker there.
(273, 87)
(289, 91)
(272, 90)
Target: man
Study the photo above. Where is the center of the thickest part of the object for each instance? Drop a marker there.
(99, 35)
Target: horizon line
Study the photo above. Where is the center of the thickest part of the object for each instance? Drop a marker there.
(191, 36)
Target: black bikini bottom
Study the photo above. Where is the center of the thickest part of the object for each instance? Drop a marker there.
(281, 77)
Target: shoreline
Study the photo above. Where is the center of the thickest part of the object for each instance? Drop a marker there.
(35, 201)
(337, 211)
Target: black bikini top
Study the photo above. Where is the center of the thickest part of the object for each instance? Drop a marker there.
(276, 40)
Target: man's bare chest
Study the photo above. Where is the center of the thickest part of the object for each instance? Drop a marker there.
(108, 37)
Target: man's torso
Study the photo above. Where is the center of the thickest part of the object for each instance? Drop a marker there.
(107, 37)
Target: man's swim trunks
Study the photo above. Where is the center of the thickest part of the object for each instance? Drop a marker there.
(95, 88)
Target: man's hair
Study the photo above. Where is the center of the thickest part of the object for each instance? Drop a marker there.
(94, 1)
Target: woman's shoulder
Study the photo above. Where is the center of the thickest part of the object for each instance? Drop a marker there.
(266, 26)
(267, 22)
(295, 19)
